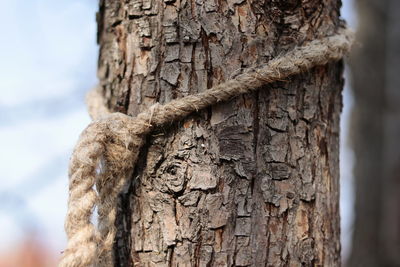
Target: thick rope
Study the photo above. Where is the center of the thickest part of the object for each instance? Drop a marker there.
(107, 150)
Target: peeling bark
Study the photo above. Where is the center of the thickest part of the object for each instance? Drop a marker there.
(252, 182)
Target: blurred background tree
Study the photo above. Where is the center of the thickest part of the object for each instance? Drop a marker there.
(375, 66)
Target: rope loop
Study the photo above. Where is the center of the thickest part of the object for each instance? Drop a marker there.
(107, 151)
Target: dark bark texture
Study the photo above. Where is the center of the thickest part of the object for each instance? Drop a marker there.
(376, 133)
(251, 182)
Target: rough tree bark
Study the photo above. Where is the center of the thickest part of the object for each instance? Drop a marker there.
(376, 131)
(252, 182)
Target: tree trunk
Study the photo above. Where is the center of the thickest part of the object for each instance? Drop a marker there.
(376, 124)
(251, 182)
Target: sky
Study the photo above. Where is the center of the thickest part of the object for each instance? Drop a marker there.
(48, 62)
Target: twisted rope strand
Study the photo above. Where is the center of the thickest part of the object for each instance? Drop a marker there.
(108, 148)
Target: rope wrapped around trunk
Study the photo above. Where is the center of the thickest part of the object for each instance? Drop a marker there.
(105, 155)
